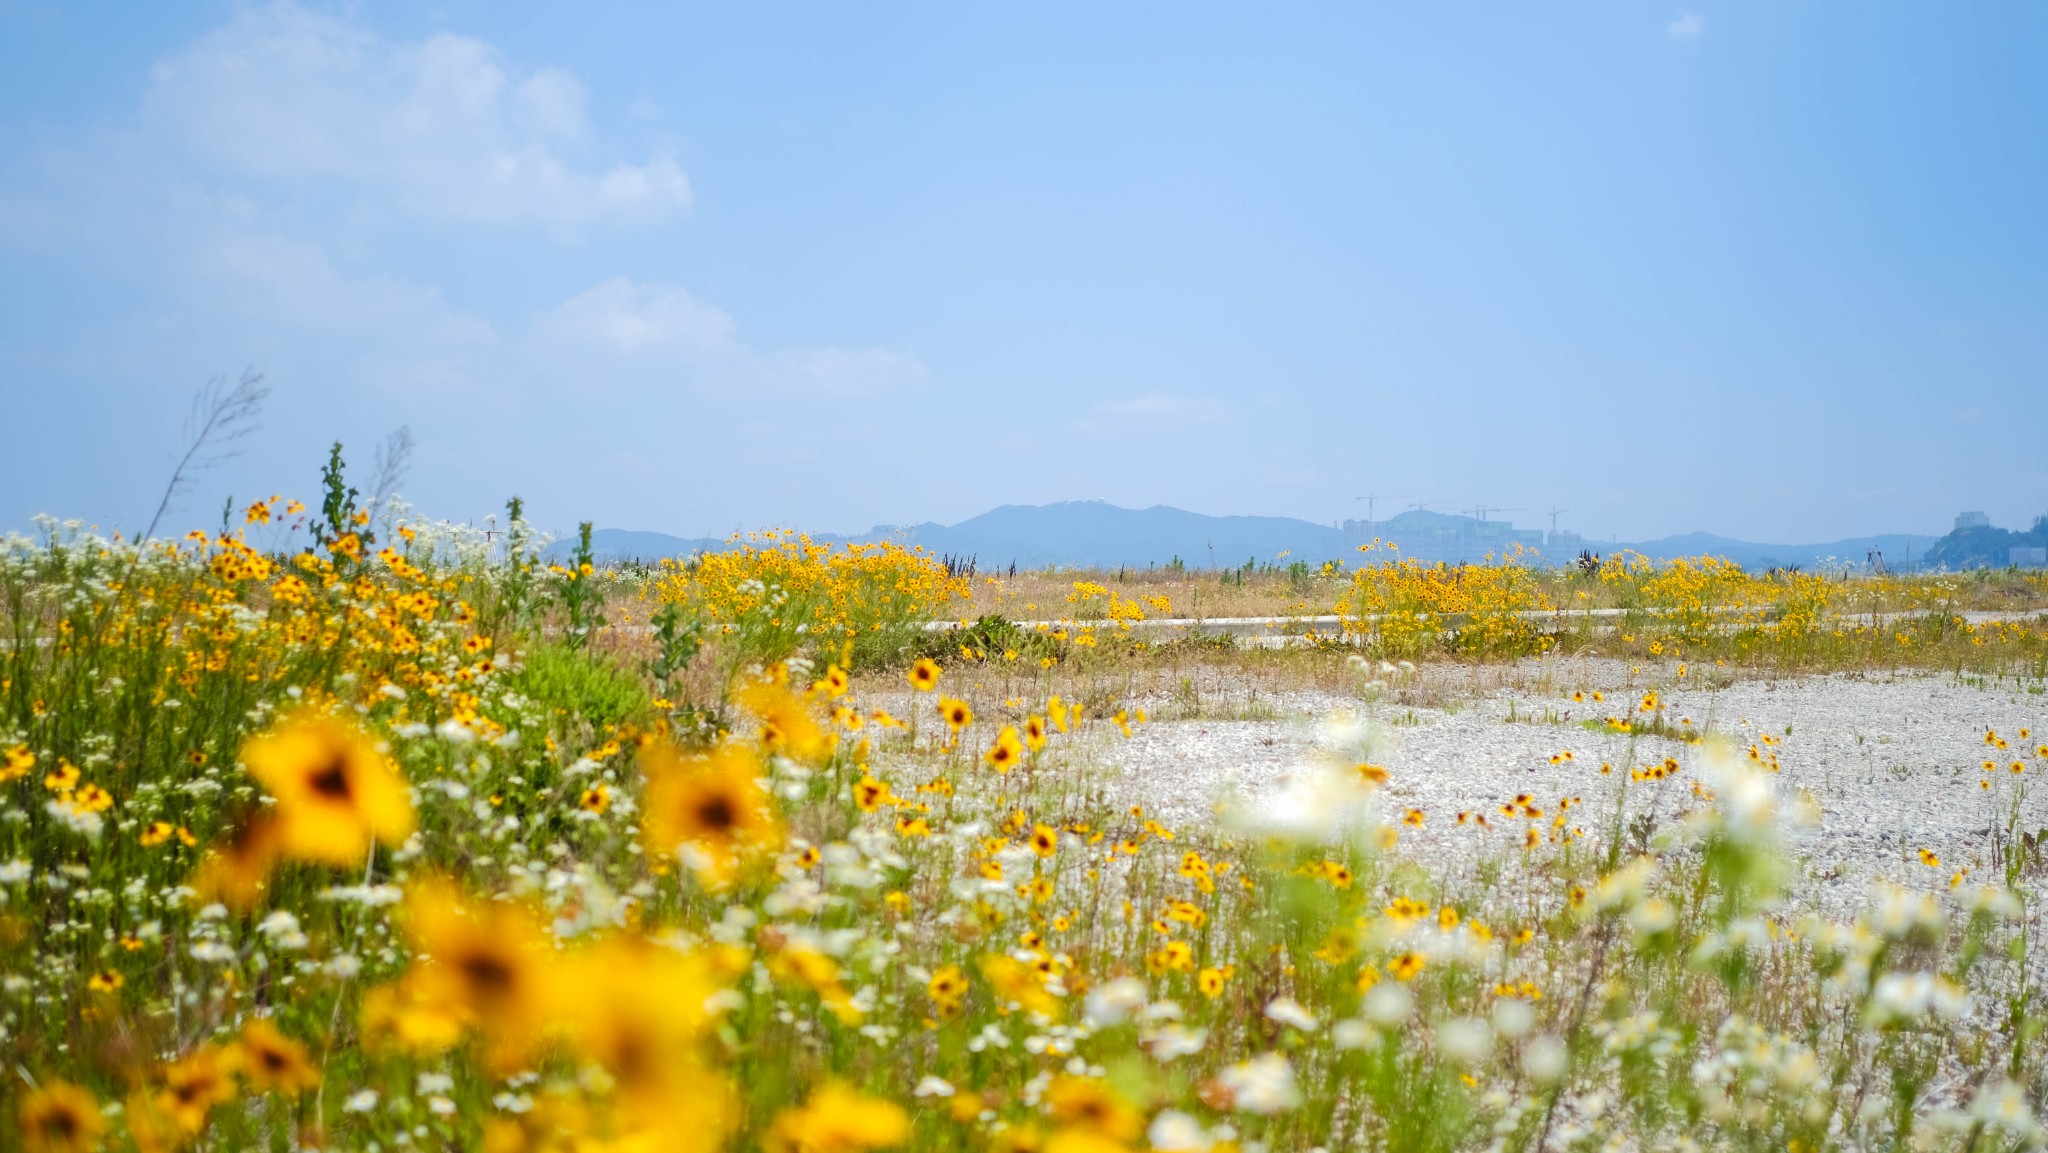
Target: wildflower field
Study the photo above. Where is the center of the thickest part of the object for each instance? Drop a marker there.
(326, 834)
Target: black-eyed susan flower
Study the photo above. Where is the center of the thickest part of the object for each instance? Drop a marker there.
(924, 675)
(837, 1119)
(59, 1117)
(335, 791)
(486, 964)
(1045, 840)
(787, 724)
(869, 794)
(709, 807)
(235, 872)
(273, 1062)
(1003, 755)
(193, 1085)
(1034, 734)
(956, 713)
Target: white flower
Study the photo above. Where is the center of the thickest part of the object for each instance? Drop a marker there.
(1171, 1040)
(1264, 1084)
(1173, 1131)
(212, 952)
(1545, 1060)
(1290, 1012)
(442, 1106)
(1993, 899)
(1744, 790)
(15, 872)
(430, 1083)
(1388, 1004)
(2003, 1106)
(1465, 1040)
(1108, 1004)
(1902, 913)
(1904, 997)
(1352, 1033)
(933, 1087)
(1624, 887)
(1512, 1017)
(361, 1102)
(1652, 917)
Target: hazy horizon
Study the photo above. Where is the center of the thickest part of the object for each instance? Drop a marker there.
(836, 268)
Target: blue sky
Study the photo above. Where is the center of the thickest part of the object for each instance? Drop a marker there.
(1774, 271)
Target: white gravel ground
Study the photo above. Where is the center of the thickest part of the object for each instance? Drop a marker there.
(1893, 764)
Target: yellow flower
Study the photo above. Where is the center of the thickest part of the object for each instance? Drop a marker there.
(19, 760)
(787, 725)
(274, 1062)
(60, 1117)
(1090, 1104)
(956, 713)
(62, 779)
(924, 675)
(484, 964)
(335, 791)
(710, 807)
(1034, 733)
(837, 1119)
(235, 873)
(640, 1010)
(193, 1085)
(1406, 966)
(834, 683)
(870, 794)
(595, 799)
(1045, 840)
(1210, 982)
(1006, 752)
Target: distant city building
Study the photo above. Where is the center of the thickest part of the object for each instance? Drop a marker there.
(1432, 537)
(1971, 520)
(1564, 544)
(2034, 557)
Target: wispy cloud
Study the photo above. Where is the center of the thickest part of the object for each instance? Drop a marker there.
(441, 126)
(664, 332)
(1686, 26)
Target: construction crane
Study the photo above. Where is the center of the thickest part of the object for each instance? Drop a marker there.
(1554, 514)
(1369, 498)
(1481, 510)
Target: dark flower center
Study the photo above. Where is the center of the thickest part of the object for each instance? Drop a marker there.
(717, 813)
(330, 781)
(488, 974)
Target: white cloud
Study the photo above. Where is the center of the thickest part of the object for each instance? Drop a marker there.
(551, 104)
(621, 318)
(284, 94)
(1686, 26)
(663, 333)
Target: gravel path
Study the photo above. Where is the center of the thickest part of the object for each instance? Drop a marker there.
(1893, 764)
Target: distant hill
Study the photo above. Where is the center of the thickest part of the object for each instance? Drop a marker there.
(1985, 546)
(1094, 534)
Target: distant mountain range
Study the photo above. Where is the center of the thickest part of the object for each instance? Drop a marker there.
(1093, 534)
